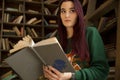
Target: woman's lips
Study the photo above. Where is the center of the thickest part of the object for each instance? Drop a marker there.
(67, 20)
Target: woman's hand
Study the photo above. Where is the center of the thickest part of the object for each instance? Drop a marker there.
(53, 74)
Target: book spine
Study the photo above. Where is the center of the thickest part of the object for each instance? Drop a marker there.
(38, 55)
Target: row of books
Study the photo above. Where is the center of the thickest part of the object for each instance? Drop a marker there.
(18, 19)
(33, 11)
(12, 18)
(18, 8)
(46, 11)
(15, 31)
(31, 32)
(6, 44)
(50, 22)
(33, 20)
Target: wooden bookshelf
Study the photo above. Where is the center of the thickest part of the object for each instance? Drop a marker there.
(19, 18)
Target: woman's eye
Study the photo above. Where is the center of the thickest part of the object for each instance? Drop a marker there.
(72, 11)
(62, 11)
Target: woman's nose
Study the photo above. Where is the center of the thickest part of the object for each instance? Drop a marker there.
(67, 14)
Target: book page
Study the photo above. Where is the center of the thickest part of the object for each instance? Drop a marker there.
(51, 53)
(46, 42)
(25, 42)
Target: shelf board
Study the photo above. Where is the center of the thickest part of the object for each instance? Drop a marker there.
(12, 24)
(12, 36)
(13, 12)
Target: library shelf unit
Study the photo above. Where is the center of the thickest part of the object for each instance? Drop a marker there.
(19, 18)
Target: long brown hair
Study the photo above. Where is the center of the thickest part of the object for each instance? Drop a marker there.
(79, 43)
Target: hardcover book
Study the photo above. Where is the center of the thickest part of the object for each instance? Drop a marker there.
(28, 61)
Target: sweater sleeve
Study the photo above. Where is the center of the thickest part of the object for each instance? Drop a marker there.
(99, 67)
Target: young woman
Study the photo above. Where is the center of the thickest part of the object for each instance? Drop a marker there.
(83, 43)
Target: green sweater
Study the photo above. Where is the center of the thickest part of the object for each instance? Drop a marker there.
(99, 68)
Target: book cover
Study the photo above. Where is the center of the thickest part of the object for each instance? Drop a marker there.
(26, 64)
(28, 61)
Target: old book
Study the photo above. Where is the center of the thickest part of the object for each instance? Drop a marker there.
(15, 28)
(7, 44)
(18, 19)
(9, 32)
(33, 11)
(47, 11)
(12, 9)
(37, 21)
(3, 44)
(31, 20)
(34, 32)
(45, 22)
(52, 22)
(29, 32)
(22, 31)
(45, 52)
(56, 11)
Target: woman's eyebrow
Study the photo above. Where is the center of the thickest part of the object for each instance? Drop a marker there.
(69, 8)
(62, 8)
(72, 8)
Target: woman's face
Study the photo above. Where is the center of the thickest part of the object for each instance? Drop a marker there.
(68, 14)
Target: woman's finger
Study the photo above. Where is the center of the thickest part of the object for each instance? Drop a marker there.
(49, 74)
(58, 73)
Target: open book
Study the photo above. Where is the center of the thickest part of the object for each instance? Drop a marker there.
(29, 60)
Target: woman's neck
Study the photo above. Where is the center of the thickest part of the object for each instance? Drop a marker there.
(69, 32)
